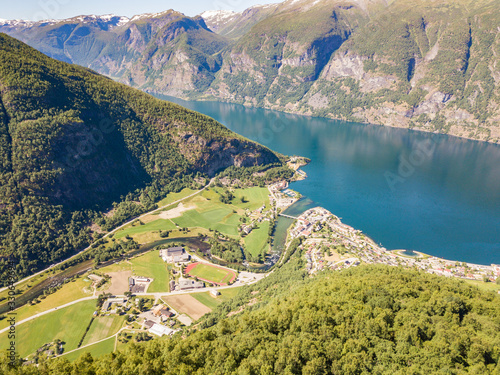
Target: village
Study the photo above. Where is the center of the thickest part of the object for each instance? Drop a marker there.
(328, 244)
(167, 289)
(325, 233)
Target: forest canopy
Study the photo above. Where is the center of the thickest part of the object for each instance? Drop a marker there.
(75, 145)
(372, 319)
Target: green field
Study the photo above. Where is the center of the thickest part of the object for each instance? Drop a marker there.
(159, 224)
(255, 197)
(173, 197)
(102, 327)
(96, 350)
(147, 265)
(256, 241)
(491, 287)
(208, 213)
(211, 273)
(213, 302)
(221, 218)
(67, 324)
(69, 292)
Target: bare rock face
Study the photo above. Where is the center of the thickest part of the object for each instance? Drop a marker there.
(212, 156)
(345, 65)
(432, 104)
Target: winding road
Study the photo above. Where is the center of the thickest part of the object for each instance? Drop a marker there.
(110, 233)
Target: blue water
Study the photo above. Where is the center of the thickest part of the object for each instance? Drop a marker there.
(407, 190)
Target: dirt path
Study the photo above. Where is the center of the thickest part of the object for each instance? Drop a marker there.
(119, 282)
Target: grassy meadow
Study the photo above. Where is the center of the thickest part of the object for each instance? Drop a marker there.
(256, 241)
(69, 292)
(147, 265)
(67, 324)
(101, 348)
(208, 300)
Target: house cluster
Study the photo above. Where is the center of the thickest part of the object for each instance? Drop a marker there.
(320, 225)
(310, 221)
(317, 260)
(257, 216)
(111, 305)
(280, 197)
(160, 321)
(175, 255)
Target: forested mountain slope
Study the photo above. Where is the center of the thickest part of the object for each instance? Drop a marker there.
(368, 320)
(72, 142)
(427, 65)
(430, 65)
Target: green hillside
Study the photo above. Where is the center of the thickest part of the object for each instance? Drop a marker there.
(73, 142)
(373, 319)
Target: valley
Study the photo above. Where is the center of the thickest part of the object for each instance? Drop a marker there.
(369, 61)
(305, 187)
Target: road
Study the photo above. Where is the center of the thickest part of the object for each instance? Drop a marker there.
(110, 233)
(97, 342)
(47, 312)
(156, 295)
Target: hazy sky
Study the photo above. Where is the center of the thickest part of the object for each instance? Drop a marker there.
(57, 9)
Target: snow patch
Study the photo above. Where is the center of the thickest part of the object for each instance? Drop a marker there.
(110, 18)
(148, 15)
(218, 16)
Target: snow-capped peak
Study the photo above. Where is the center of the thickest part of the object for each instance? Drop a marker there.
(117, 20)
(217, 17)
(149, 15)
(109, 18)
(218, 13)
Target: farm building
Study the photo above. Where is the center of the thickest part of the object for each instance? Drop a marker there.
(159, 330)
(214, 293)
(190, 284)
(175, 255)
(162, 312)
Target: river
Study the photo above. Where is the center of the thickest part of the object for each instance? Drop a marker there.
(405, 189)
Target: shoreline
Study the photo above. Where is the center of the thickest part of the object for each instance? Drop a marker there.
(431, 263)
(366, 250)
(284, 110)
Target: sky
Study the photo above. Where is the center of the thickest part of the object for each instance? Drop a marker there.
(37, 10)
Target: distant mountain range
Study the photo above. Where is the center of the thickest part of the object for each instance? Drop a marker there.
(427, 65)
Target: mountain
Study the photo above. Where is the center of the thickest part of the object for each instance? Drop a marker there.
(236, 24)
(278, 60)
(430, 65)
(160, 50)
(72, 142)
(427, 66)
(367, 320)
